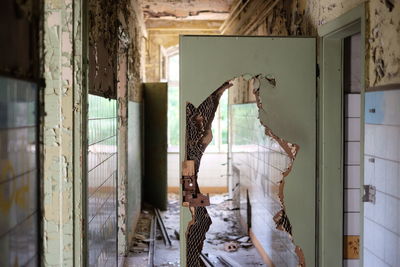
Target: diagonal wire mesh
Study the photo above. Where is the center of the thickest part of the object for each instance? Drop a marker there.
(102, 181)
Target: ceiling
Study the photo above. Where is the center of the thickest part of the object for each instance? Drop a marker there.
(181, 10)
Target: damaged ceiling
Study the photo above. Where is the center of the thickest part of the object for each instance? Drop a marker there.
(186, 9)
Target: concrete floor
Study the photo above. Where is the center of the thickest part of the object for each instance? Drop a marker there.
(224, 229)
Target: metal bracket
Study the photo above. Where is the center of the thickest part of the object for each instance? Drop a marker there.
(369, 193)
(190, 193)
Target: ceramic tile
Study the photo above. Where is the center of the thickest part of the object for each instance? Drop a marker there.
(369, 170)
(353, 105)
(379, 209)
(352, 224)
(352, 200)
(391, 248)
(352, 176)
(392, 184)
(352, 152)
(380, 174)
(392, 217)
(382, 107)
(352, 129)
(351, 263)
(369, 137)
(19, 230)
(260, 161)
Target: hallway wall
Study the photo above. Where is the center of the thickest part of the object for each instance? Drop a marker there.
(302, 17)
(382, 170)
(135, 165)
(213, 173)
(116, 54)
(20, 179)
(102, 181)
(259, 162)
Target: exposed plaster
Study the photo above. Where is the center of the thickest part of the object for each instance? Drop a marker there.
(384, 42)
(197, 9)
(62, 120)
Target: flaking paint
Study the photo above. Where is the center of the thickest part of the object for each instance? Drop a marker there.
(62, 120)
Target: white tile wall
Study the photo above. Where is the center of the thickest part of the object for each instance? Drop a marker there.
(352, 129)
(353, 105)
(351, 263)
(382, 170)
(352, 223)
(352, 200)
(352, 172)
(352, 150)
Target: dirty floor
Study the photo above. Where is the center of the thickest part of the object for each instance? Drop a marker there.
(224, 235)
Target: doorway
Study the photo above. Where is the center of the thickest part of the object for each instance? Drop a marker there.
(341, 137)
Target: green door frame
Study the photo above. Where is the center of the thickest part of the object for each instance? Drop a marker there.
(330, 128)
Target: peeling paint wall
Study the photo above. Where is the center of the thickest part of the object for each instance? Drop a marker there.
(383, 42)
(197, 9)
(302, 17)
(116, 39)
(62, 108)
(164, 33)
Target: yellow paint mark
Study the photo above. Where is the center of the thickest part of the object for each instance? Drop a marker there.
(18, 194)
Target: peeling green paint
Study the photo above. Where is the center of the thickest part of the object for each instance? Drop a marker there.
(62, 141)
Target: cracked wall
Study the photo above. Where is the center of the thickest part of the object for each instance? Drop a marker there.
(198, 9)
(62, 110)
(64, 114)
(383, 42)
(302, 17)
(163, 34)
(113, 24)
(116, 44)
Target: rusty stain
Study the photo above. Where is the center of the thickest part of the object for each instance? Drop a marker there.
(351, 248)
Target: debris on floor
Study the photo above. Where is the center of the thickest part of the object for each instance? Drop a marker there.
(224, 229)
(231, 246)
(226, 243)
(139, 251)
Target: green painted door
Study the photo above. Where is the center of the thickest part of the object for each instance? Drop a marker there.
(155, 144)
(289, 110)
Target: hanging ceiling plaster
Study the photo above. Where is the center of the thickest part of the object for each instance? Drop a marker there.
(186, 9)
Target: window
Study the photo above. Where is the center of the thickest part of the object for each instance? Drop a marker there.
(220, 123)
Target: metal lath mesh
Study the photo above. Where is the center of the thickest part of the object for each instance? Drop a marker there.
(198, 136)
(102, 181)
(196, 234)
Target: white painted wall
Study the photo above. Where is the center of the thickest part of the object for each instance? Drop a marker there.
(213, 170)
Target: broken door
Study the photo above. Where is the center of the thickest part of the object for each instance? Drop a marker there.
(286, 108)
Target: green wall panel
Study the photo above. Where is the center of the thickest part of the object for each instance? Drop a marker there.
(135, 164)
(156, 143)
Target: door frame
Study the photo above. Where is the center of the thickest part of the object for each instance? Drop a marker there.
(330, 126)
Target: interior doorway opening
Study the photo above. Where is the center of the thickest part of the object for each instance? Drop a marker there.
(215, 175)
